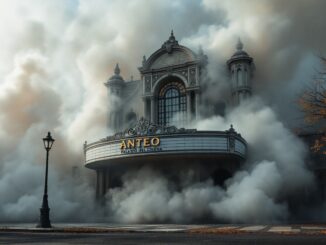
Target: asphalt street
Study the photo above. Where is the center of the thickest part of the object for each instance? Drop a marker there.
(154, 238)
(162, 234)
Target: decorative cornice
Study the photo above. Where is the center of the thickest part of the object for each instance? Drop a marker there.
(144, 127)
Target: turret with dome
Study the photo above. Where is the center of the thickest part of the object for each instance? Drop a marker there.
(241, 67)
(115, 86)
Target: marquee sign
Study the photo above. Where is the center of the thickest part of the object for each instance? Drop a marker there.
(138, 142)
(139, 145)
(146, 138)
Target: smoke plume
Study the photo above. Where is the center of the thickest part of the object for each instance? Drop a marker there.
(257, 193)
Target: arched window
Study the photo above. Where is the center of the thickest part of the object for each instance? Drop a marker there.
(172, 106)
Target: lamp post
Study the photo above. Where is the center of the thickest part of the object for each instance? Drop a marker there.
(44, 210)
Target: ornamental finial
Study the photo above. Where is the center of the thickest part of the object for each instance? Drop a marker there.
(170, 43)
(231, 129)
(144, 60)
(172, 38)
(117, 69)
(239, 44)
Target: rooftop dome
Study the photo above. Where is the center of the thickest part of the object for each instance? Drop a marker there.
(240, 52)
(170, 54)
(116, 78)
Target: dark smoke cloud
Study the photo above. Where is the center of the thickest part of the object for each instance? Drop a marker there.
(56, 55)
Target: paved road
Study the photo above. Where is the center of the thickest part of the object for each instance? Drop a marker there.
(162, 234)
(154, 238)
(232, 228)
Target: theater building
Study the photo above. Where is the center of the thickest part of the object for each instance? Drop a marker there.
(150, 118)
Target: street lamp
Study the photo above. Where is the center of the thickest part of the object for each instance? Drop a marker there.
(44, 210)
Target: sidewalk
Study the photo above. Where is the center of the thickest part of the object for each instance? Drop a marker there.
(203, 229)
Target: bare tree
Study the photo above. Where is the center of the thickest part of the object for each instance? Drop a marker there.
(313, 104)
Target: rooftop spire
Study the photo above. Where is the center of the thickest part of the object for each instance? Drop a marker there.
(117, 69)
(170, 43)
(144, 60)
(239, 44)
(172, 38)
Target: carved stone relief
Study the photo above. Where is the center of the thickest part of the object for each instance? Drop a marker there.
(145, 127)
(192, 78)
(156, 76)
(166, 59)
(148, 84)
(183, 73)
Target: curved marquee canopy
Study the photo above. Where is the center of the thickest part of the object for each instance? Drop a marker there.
(147, 139)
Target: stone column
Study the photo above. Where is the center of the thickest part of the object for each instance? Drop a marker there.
(197, 75)
(97, 184)
(101, 183)
(107, 178)
(146, 108)
(99, 187)
(197, 104)
(153, 111)
(189, 107)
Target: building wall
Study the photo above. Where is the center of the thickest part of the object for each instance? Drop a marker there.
(175, 62)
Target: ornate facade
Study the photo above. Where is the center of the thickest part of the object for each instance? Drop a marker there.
(149, 118)
(171, 86)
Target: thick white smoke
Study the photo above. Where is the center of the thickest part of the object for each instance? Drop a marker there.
(257, 193)
(56, 55)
